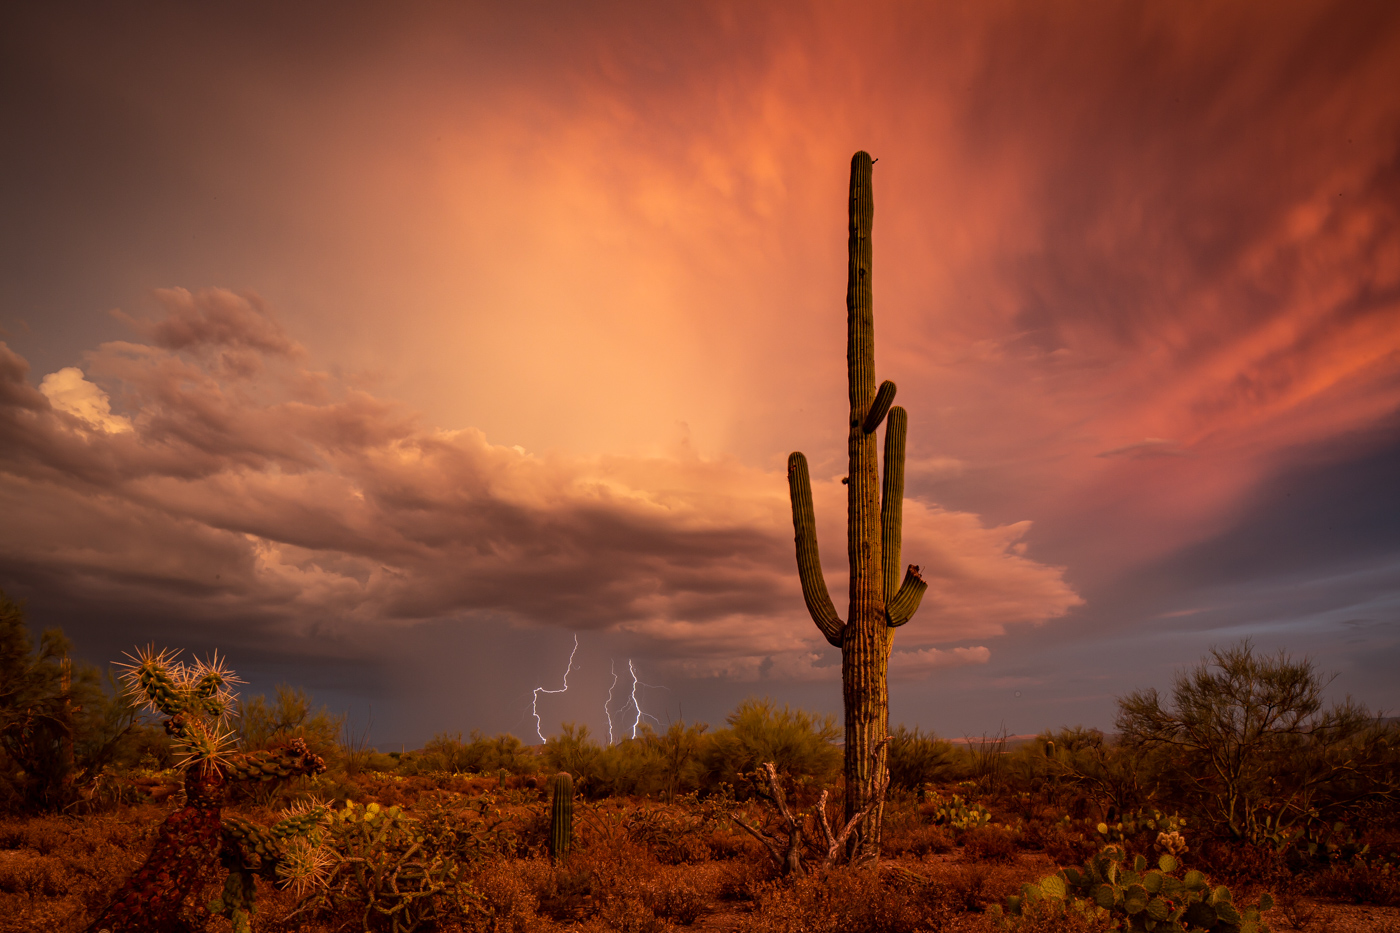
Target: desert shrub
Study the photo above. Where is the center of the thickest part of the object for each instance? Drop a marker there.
(679, 755)
(1360, 882)
(917, 758)
(1254, 752)
(726, 844)
(1083, 767)
(1061, 840)
(262, 724)
(483, 754)
(572, 750)
(974, 886)
(60, 724)
(33, 876)
(392, 868)
(989, 844)
(798, 743)
(1055, 917)
(510, 895)
(629, 913)
(675, 901)
(744, 879)
(918, 841)
(848, 900)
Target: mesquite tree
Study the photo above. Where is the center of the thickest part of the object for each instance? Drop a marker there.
(880, 602)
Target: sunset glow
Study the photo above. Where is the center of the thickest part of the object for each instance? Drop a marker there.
(388, 349)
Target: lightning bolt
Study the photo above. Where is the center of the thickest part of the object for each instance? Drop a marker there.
(637, 706)
(607, 706)
(535, 703)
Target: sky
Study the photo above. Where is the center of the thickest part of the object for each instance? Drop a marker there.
(403, 352)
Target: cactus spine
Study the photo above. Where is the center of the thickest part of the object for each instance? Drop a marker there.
(561, 815)
(879, 601)
(196, 700)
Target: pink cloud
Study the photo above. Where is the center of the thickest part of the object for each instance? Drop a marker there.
(329, 508)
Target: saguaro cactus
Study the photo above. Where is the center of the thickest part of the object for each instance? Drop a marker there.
(561, 815)
(880, 602)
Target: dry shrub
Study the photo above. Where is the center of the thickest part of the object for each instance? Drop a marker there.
(511, 895)
(45, 835)
(729, 845)
(1065, 846)
(975, 886)
(566, 892)
(628, 914)
(676, 901)
(744, 880)
(1239, 863)
(847, 900)
(1051, 917)
(919, 842)
(1297, 912)
(32, 876)
(681, 849)
(1359, 883)
(989, 844)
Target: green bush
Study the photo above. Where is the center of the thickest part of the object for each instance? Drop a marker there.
(800, 744)
(917, 758)
(1246, 743)
(261, 724)
(61, 726)
(481, 755)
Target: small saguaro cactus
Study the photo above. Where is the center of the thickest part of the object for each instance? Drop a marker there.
(561, 815)
(196, 700)
(879, 600)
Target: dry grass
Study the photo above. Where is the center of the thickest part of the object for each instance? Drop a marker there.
(638, 867)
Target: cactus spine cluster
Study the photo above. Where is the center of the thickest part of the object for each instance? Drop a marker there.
(561, 815)
(197, 701)
(879, 600)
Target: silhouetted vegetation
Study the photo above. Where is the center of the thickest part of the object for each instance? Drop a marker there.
(1240, 773)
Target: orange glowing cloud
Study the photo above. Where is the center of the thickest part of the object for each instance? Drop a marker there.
(267, 488)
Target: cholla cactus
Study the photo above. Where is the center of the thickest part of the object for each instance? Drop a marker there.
(197, 701)
(1172, 843)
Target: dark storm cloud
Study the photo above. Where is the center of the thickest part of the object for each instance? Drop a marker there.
(271, 494)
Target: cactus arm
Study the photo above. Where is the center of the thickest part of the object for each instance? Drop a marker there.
(900, 604)
(906, 602)
(285, 761)
(892, 499)
(809, 563)
(884, 397)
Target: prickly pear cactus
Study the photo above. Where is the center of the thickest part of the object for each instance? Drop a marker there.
(196, 700)
(1134, 897)
(561, 815)
(954, 812)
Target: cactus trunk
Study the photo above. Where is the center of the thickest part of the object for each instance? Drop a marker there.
(873, 536)
(561, 815)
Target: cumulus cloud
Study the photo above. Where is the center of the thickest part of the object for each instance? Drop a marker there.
(69, 392)
(910, 665)
(312, 506)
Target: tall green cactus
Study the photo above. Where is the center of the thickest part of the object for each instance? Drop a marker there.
(873, 540)
(561, 815)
